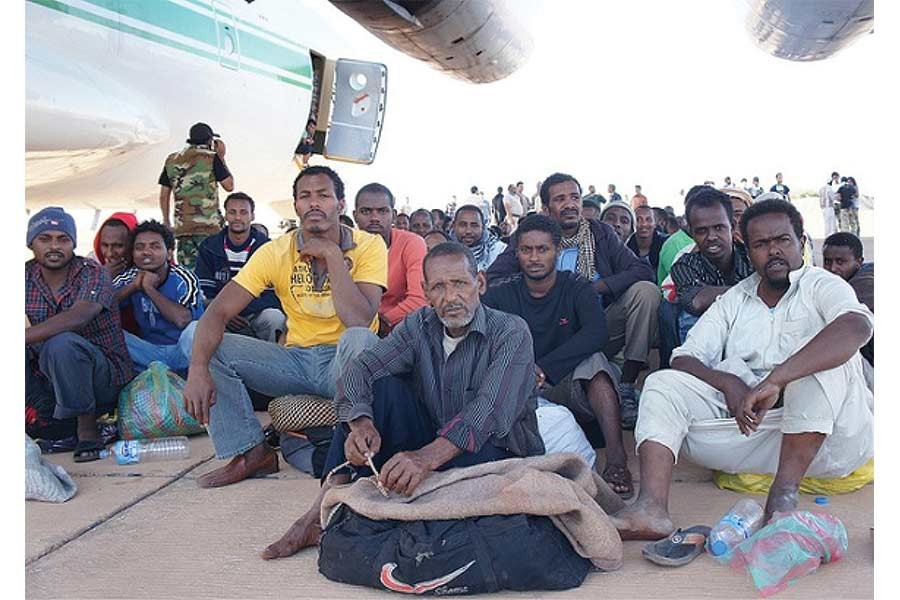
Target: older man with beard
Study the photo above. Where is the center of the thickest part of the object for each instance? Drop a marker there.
(451, 386)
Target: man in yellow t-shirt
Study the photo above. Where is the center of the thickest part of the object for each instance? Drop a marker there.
(329, 279)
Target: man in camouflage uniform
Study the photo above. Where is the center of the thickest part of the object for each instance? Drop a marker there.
(193, 175)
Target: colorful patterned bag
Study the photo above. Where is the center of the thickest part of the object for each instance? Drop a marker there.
(151, 406)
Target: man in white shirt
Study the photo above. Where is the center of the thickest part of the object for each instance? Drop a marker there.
(514, 208)
(788, 334)
(826, 203)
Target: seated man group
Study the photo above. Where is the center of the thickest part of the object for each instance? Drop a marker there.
(777, 354)
(622, 282)
(772, 354)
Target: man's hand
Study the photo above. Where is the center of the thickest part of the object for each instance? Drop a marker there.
(735, 391)
(320, 248)
(542, 384)
(219, 147)
(364, 440)
(138, 282)
(384, 326)
(237, 323)
(405, 471)
(755, 405)
(199, 394)
(117, 267)
(600, 287)
(149, 280)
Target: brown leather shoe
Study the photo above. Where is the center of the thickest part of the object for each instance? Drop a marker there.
(259, 461)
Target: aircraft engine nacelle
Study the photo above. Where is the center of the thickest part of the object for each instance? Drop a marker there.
(478, 41)
(806, 30)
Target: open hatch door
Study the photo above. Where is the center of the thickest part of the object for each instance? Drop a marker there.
(347, 109)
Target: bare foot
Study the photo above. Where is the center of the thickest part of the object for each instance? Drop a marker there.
(302, 534)
(643, 520)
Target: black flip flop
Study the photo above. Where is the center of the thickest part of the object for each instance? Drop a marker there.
(87, 451)
(679, 548)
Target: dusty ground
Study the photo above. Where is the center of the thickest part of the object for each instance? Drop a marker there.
(147, 531)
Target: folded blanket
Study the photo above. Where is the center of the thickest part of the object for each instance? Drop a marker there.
(560, 486)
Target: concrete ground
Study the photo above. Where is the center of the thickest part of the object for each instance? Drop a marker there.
(147, 531)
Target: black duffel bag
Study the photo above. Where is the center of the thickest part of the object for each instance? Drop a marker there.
(456, 556)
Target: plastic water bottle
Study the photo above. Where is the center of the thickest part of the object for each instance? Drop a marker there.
(743, 520)
(129, 452)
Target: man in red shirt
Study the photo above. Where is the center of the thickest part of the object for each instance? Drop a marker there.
(375, 213)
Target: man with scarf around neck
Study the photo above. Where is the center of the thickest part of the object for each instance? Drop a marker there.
(623, 282)
(469, 229)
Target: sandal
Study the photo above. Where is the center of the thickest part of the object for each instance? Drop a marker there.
(619, 476)
(679, 548)
(88, 450)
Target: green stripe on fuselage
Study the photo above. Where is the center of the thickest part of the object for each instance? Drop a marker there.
(202, 28)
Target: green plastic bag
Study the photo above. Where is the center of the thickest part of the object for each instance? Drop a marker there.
(151, 406)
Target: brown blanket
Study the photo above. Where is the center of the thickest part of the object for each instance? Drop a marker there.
(560, 486)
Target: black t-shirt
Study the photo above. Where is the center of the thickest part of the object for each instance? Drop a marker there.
(781, 189)
(219, 170)
(567, 325)
(847, 192)
(499, 208)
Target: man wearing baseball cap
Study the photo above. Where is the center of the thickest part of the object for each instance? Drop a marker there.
(192, 176)
(76, 361)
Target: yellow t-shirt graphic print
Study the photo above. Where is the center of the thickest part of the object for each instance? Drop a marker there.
(317, 303)
(307, 300)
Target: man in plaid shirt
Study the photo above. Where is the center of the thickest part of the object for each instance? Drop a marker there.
(73, 335)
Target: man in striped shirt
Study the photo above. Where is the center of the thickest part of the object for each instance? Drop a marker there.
(164, 297)
(451, 386)
(221, 256)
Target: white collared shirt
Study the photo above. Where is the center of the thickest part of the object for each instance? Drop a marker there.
(740, 325)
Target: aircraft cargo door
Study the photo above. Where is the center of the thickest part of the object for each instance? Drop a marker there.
(359, 93)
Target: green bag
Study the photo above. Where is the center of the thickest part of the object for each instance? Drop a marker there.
(151, 406)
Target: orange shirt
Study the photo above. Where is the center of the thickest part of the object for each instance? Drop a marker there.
(638, 200)
(404, 283)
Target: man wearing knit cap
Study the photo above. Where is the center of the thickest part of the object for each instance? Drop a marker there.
(192, 176)
(624, 283)
(619, 215)
(76, 361)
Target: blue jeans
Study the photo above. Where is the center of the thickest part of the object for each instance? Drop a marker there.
(243, 362)
(686, 322)
(75, 374)
(176, 356)
(404, 424)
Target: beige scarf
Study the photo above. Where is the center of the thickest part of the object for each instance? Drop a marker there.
(584, 241)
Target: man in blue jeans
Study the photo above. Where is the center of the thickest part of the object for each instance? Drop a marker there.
(76, 360)
(165, 298)
(453, 385)
(329, 279)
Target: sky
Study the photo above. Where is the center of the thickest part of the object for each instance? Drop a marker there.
(662, 94)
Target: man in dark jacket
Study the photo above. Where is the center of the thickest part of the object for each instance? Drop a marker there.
(222, 255)
(624, 283)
